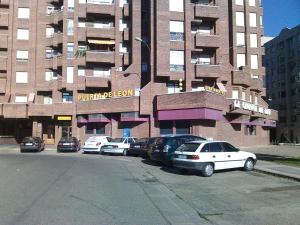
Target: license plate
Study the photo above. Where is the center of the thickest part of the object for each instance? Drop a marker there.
(28, 144)
(108, 146)
(137, 146)
(66, 144)
(181, 156)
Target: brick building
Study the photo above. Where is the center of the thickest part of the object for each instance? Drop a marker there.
(133, 67)
(282, 63)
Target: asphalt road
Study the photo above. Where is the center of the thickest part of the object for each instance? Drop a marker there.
(62, 189)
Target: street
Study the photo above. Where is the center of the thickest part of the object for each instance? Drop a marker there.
(73, 188)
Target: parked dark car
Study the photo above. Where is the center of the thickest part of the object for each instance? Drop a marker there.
(32, 144)
(68, 144)
(141, 147)
(164, 147)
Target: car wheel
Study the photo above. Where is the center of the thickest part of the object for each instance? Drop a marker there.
(249, 165)
(125, 152)
(208, 170)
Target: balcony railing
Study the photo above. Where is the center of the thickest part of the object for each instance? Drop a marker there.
(106, 2)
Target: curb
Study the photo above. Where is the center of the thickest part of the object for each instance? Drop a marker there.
(277, 174)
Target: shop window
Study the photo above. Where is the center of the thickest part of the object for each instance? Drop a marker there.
(166, 127)
(250, 130)
(100, 129)
(182, 127)
(89, 129)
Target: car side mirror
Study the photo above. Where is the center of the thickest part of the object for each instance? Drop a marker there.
(237, 149)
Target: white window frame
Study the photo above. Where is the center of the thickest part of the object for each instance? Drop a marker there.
(253, 41)
(23, 13)
(22, 34)
(21, 99)
(21, 77)
(22, 55)
(252, 20)
(240, 39)
(240, 60)
(254, 61)
(176, 5)
(240, 19)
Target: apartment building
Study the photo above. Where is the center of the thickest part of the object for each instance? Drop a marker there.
(282, 62)
(133, 67)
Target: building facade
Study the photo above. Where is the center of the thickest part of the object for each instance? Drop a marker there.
(133, 67)
(282, 63)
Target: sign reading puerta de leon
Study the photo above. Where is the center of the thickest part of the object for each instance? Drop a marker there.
(105, 95)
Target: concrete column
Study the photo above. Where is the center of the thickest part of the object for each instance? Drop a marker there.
(114, 128)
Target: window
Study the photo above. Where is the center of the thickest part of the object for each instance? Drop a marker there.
(215, 147)
(81, 71)
(50, 75)
(182, 127)
(21, 77)
(253, 40)
(250, 130)
(49, 32)
(47, 100)
(70, 50)
(23, 34)
(173, 88)
(166, 127)
(70, 5)
(261, 21)
(239, 18)
(239, 2)
(254, 61)
(176, 60)
(23, 13)
(89, 129)
(252, 18)
(70, 27)
(176, 31)
(67, 97)
(240, 39)
(229, 148)
(243, 95)
(100, 128)
(22, 55)
(176, 5)
(204, 60)
(20, 99)
(70, 72)
(252, 2)
(240, 60)
(235, 94)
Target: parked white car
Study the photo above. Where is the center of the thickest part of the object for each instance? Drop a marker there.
(118, 146)
(208, 156)
(95, 143)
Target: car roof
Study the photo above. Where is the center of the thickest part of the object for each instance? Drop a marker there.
(204, 142)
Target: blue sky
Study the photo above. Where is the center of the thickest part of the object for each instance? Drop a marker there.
(279, 14)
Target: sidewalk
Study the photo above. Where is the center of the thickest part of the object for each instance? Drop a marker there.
(14, 148)
(267, 154)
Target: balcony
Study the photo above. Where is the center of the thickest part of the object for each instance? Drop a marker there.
(100, 7)
(204, 70)
(105, 32)
(200, 105)
(3, 63)
(60, 108)
(40, 110)
(202, 40)
(4, 2)
(239, 77)
(126, 59)
(14, 110)
(3, 41)
(95, 82)
(3, 85)
(110, 105)
(126, 10)
(4, 19)
(207, 11)
(256, 84)
(126, 34)
(100, 56)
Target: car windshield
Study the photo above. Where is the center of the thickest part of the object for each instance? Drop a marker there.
(188, 147)
(66, 139)
(143, 140)
(28, 139)
(92, 139)
(117, 140)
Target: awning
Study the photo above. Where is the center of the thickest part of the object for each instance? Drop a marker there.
(221, 87)
(101, 42)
